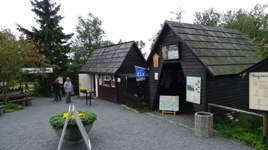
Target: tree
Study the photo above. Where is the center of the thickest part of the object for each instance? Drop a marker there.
(209, 17)
(89, 36)
(55, 43)
(16, 54)
(141, 45)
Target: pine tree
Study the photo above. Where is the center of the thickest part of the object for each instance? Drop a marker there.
(56, 45)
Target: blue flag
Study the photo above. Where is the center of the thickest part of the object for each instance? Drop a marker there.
(140, 73)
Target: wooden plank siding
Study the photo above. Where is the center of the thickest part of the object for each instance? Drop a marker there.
(190, 66)
(132, 59)
(231, 91)
(108, 93)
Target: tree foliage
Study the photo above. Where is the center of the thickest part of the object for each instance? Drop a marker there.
(55, 43)
(89, 36)
(253, 23)
(16, 54)
(209, 17)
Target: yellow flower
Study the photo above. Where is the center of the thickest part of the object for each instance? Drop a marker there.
(83, 89)
(71, 115)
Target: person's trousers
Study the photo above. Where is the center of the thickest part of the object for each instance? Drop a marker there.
(57, 96)
(68, 97)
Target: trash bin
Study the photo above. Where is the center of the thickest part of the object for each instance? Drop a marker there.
(204, 124)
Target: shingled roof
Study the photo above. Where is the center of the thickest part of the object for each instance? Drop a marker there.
(107, 60)
(221, 51)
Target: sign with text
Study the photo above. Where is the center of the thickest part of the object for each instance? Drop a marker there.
(193, 89)
(170, 103)
(170, 52)
(140, 73)
(36, 70)
(258, 90)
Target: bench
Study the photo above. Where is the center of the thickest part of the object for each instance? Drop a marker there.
(26, 101)
(21, 99)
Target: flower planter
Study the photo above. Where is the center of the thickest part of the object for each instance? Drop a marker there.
(73, 134)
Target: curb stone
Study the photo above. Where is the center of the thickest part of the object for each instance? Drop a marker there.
(130, 109)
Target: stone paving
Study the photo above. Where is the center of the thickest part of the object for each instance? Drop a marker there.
(115, 129)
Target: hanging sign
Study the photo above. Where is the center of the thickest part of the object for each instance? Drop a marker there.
(258, 90)
(140, 73)
(170, 52)
(156, 60)
(193, 89)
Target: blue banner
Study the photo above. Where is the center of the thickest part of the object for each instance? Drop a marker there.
(140, 73)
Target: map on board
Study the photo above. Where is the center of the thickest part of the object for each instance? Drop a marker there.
(169, 103)
(258, 90)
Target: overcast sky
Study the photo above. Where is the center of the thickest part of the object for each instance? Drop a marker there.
(127, 20)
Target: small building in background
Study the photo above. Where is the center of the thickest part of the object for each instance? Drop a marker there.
(201, 65)
(110, 72)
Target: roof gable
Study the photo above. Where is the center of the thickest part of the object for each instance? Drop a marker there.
(221, 51)
(107, 60)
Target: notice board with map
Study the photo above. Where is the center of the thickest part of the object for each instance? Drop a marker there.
(258, 90)
(170, 103)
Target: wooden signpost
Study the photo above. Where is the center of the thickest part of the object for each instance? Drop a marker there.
(80, 126)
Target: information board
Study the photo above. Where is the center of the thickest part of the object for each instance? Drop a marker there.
(170, 103)
(193, 89)
(258, 90)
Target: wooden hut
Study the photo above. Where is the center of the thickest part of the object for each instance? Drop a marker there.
(107, 70)
(201, 65)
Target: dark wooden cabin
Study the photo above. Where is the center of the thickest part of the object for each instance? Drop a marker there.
(217, 56)
(109, 70)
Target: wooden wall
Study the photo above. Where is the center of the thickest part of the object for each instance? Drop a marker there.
(132, 59)
(108, 93)
(232, 91)
(190, 66)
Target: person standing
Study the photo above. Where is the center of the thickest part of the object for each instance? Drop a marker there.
(68, 88)
(56, 90)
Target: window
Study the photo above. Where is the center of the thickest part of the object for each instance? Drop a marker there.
(113, 82)
(170, 52)
(107, 80)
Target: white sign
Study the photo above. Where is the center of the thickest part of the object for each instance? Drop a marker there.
(258, 90)
(193, 89)
(118, 79)
(170, 103)
(36, 70)
(156, 76)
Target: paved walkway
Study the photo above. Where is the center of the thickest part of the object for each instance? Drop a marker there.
(115, 129)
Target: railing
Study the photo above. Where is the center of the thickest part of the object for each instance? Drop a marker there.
(135, 102)
(233, 109)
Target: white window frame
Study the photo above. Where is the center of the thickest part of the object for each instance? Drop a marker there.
(113, 82)
(106, 80)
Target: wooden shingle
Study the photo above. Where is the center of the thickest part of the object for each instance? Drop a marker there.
(221, 51)
(107, 60)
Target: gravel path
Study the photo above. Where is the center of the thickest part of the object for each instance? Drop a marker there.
(115, 129)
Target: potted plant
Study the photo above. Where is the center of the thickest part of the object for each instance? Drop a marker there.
(72, 134)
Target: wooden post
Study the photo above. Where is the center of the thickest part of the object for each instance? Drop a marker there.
(264, 128)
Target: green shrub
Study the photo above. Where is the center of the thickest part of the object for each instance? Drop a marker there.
(242, 127)
(12, 106)
(58, 120)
